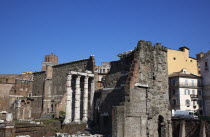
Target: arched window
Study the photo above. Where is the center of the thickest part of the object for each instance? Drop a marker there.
(161, 126)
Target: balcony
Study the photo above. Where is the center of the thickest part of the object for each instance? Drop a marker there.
(194, 97)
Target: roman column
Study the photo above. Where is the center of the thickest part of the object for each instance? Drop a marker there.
(77, 100)
(68, 117)
(92, 97)
(85, 100)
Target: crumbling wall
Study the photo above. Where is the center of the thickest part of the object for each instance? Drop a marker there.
(4, 97)
(138, 82)
(11, 87)
(112, 94)
(147, 103)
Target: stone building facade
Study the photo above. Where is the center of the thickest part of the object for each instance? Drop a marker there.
(134, 101)
(43, 94)
(204, 64)
(50, 88)
(14, 88)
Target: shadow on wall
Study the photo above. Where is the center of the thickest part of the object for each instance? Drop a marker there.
(112, 94)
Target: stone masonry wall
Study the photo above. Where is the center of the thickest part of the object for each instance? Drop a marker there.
(49, 87)
(147, 103)
(37, 93)
(12, 86)
(139, 82)
(112, 94)
(60, 75)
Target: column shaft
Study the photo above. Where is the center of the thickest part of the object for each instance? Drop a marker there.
(77, 100)
(68, 117)
(182, 129)
(91, 98)
(85, 101)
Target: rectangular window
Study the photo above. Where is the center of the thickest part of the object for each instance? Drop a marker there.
(200, 103)
(199, 83)
(187, 92)
(174, 91)
(206, 64)
(186, 82)
(174, 82)
(200, 92)
(193, 92)
(187, 102)
(174, 102)
(193, 83)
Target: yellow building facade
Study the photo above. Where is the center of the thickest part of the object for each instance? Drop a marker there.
(180, 59)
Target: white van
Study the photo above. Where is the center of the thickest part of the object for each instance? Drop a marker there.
(186, 114)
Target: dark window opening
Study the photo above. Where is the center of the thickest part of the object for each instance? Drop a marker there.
(174, 91)
(161, 127)
(174, 102)
(201, 112)
(174, 82)
(206, 64)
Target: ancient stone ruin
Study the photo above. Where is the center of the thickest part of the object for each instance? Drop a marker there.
(130, 100)
(134, 101)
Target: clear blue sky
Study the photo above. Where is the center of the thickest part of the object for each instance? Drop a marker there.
(75, 29)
